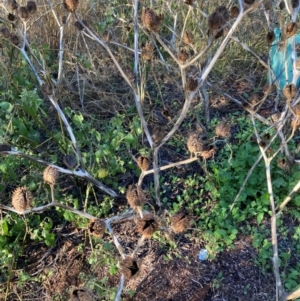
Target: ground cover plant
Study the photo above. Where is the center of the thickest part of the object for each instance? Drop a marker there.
(134, 135)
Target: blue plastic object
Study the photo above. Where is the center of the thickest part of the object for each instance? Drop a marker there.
(281, 56)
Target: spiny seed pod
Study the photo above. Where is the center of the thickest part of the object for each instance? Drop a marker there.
(4, 31)
(223, 129)
(267, 4)
(135, 197)
(188, 38)
(290, 29)
(191, 84)
(143, 162)
(219, 34)
(130, 268)
(180, 221)
(157, 134)
(71, 5)
(47, 88)
(14, 39)
(81, 294)
(147, 52)
(296, 109)
(11, 17)
(249, 2)
(222, 11)
(151, 20)
(188, 2)
(31, 7)
(270, 37)
(97, 227)
(147, 226)
(208, 152)
(23, 13)
(234, 11)
(183, 56)
(12, 5)
(276, 117)
(289, 91)
(284, 165)
(50, 175)
(281, 5)
(70, 161)
(215, 21)
(79, 26)
(195, 144)
(21, 198)
(295, 3)
(5, 148)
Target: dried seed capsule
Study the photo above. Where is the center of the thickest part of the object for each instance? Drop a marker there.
(47, 88)
(31, 7)
(223, 129)
(180, 221)
(188, 38)
(270, 37)
(223, 13)
(208, 152)
(143, 162)
(191, 84)
(81, 294)
(151, 20)
(79, 26)
(290, 29)
(71, 5)
(5, 32)
(12, 5)
(23, 13)
(147, 52)
(97, 227)
(11, 17)
(289, 91)
(14, 39)
(135, 197)
(188, 2)
(50, 175)
(194, 143)
(234, 11)
(183, 56)
(130, 268)
(21, 198)
(158, 133)
(296, 109)
(147, 226)
(281, 5)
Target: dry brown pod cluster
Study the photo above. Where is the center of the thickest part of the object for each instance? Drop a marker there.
(21, 198)
(218, 18)
(147, 226)
(180, 221)
(143, 162)
(78, 24)
(147, 52)
(97, 227)
(183, 56)
(4, 31)
(31, 7)
(130, 268)
(195, 144)
(290, 29)
(223, 129)
(152, 20)
(270, 37)
(191, 84)
(50, 175)
(234, 11)
(81, 294)
(289, 91)
(188, 38)
(23, 13)
(71, 5)
(135, 197)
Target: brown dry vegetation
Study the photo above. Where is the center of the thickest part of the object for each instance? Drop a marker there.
(97, 82)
